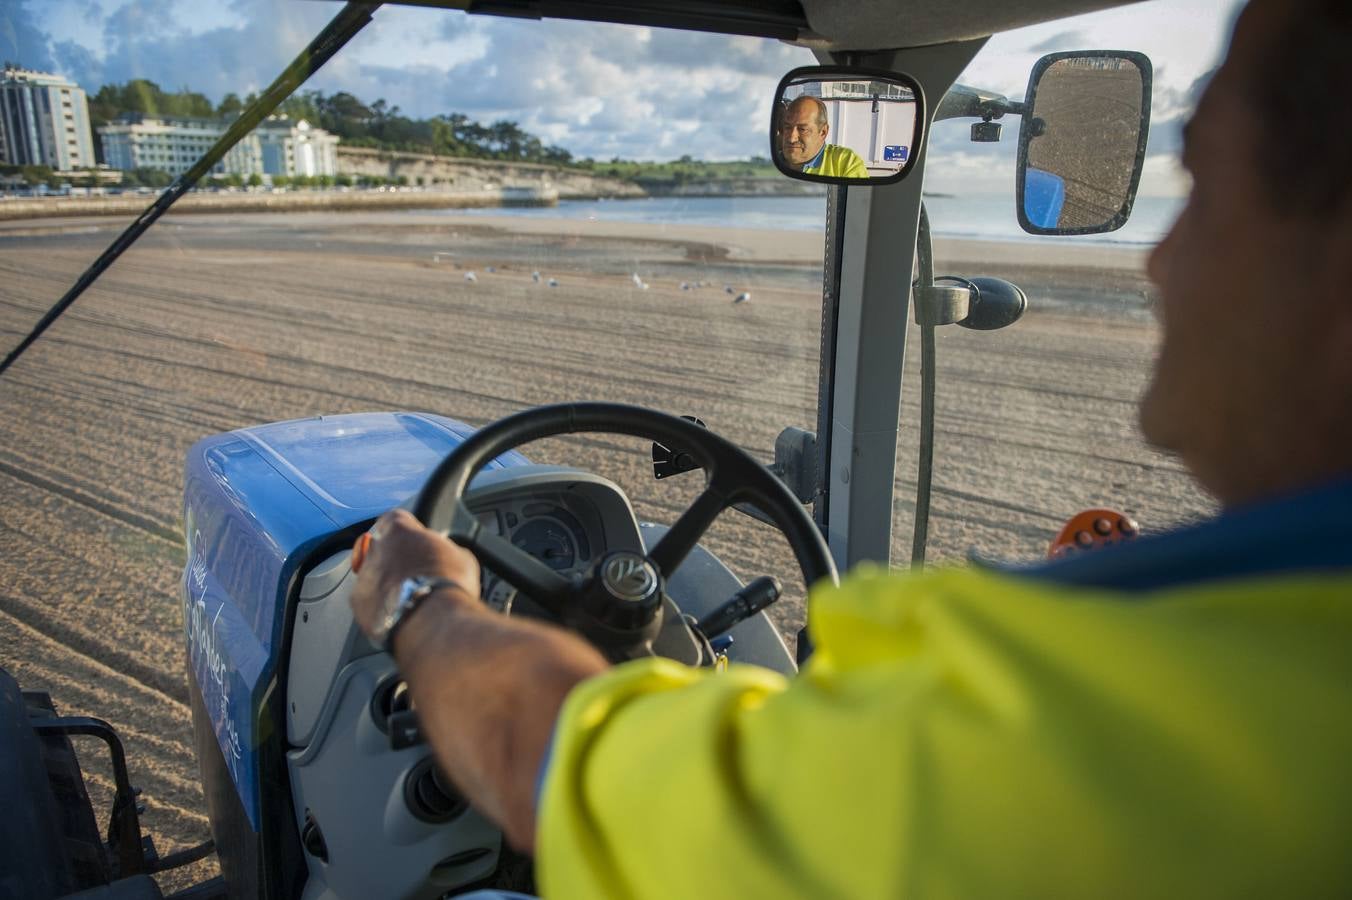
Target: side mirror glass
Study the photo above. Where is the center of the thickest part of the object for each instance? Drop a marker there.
(846, 125)
(1082, 141)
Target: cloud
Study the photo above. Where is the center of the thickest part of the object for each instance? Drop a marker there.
(78, 63)
(21, 40)
(1062, 40)
(599, 90)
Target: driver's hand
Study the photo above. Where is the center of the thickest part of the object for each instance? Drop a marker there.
(400, 547)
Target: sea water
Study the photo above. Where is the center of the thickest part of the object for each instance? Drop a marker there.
(980, 216)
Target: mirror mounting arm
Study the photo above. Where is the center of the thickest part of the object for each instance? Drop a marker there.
(965, 102)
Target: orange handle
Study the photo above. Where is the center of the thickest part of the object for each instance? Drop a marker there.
(359, 550)
(1093, 528)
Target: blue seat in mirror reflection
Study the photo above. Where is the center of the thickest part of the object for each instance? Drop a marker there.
(1044, 193)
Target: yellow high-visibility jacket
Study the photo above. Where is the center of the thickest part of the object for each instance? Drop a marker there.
(968, 734)
(838, 162)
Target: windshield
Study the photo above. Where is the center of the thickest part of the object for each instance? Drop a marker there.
(456, 216)
(471, 216)
(1038, 421)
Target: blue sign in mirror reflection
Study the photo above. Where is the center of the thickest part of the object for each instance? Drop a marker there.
(834, 127)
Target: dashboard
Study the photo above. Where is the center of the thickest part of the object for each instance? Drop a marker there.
(390, 827)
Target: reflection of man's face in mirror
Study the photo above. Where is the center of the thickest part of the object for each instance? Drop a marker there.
(802, 131)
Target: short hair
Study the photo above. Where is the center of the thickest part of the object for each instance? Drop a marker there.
(1299, 85)
(821, 106)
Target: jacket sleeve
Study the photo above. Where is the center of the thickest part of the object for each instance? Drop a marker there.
(961, 734)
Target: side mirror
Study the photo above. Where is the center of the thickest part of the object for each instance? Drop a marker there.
(1082, 141)
(846, 125)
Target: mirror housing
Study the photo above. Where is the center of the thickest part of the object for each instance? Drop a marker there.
(846, 125)
(1086, 120)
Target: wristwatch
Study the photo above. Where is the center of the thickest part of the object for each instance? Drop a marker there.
(412, 591)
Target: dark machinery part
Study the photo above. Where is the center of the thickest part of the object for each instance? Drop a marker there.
(995, 304)
(795, 464)
(668, 461)
(124, 824)
(986, 132)
(430, 796)
(312, 838)
(744, 604)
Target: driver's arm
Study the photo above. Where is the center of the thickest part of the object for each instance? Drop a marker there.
(487, 688)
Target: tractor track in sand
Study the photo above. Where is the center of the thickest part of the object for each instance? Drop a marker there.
(223, 324)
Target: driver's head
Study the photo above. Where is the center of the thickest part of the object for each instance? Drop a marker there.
(802, 131)
(1253, 385)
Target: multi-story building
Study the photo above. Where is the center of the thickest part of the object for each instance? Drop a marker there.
(173, 143)
(44, 121)
(297, 148)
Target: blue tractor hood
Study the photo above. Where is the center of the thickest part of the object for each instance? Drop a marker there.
(258, 503)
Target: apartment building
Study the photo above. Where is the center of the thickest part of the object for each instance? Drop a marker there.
(278, 146)
(44, 121)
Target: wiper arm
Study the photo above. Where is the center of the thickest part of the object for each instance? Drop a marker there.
(353, 18)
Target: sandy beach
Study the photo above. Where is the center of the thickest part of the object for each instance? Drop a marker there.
(218, 322)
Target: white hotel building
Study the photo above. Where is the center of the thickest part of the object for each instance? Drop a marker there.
(278, 146)
(44, 121)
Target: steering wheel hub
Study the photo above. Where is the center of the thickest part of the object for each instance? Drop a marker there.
(629, 577)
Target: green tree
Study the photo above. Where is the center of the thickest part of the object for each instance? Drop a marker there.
(280, 181)
(155, 178)
(343, 180)
(255, 180)
(230, 106)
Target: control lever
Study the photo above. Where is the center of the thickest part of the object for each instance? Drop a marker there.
(405, 731)
(744, 604)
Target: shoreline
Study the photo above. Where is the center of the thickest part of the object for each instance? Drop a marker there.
(244, 201)
(746, 245)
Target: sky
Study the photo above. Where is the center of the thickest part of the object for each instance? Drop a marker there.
(597, 90)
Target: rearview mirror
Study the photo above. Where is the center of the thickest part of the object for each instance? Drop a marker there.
(1082, 141)
(846, 125)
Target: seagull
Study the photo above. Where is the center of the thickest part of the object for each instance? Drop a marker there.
(470, 276)
(553, 282)
(685, 285)
(489, 269)
(535, 276)
(727, 288)
(743, 297)
(639, 283)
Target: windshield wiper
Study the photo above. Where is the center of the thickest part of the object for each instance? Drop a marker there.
(352, 19)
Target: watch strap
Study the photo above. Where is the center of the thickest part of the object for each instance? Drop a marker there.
(412, 592)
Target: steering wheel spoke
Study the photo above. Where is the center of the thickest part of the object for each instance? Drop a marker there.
(677, 543)
(518, 568)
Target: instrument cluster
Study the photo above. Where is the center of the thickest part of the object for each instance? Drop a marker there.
(544, 528)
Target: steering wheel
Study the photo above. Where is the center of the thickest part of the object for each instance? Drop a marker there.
(623, 593)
